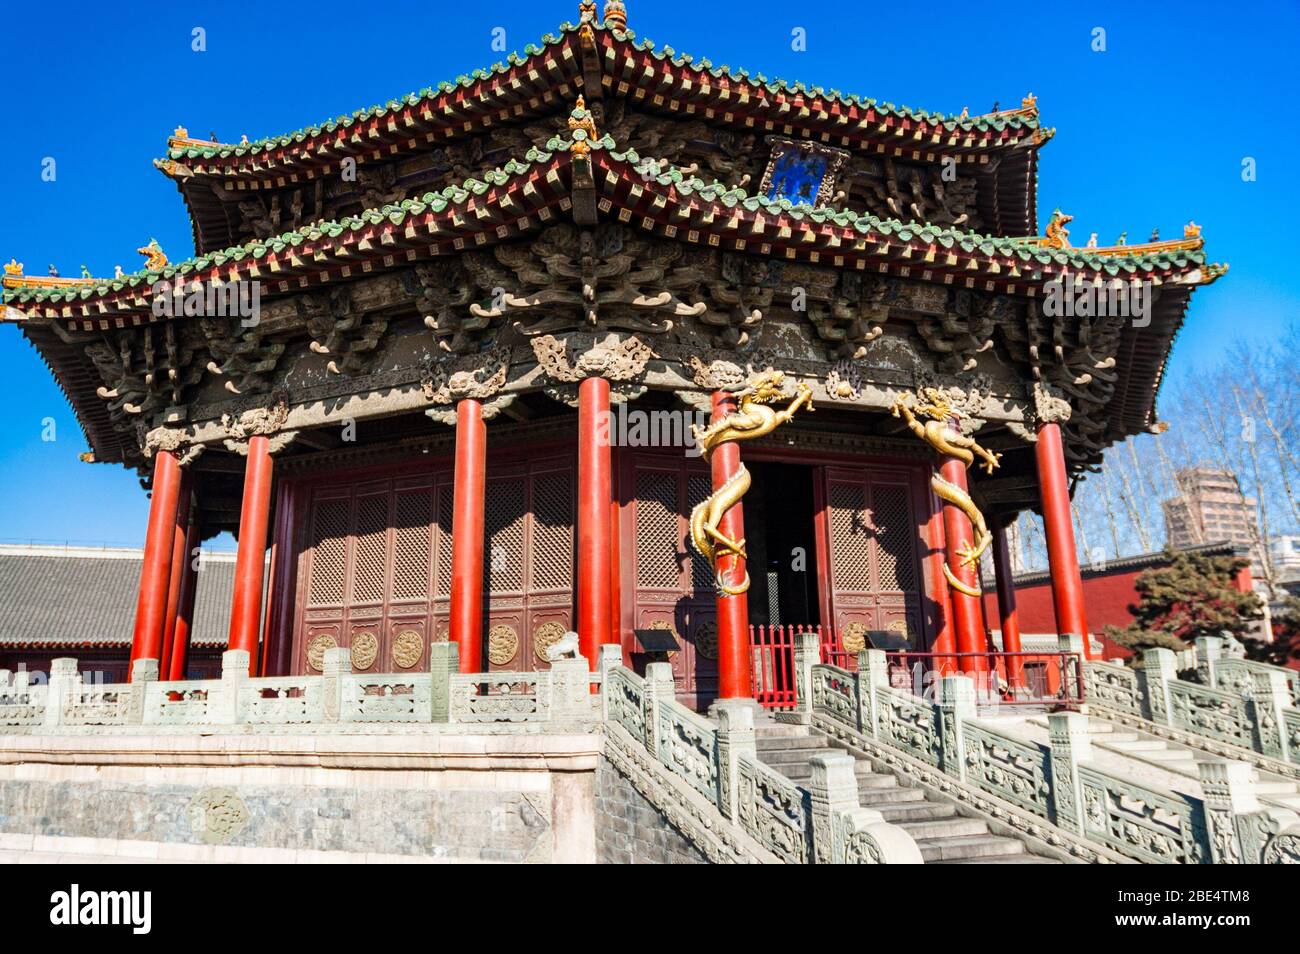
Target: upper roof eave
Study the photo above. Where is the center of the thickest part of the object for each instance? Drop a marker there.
(1016, 265)
(451, 109)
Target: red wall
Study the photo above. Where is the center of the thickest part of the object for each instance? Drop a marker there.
(1107, 596)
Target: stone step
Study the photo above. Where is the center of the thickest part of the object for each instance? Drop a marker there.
(1171, 755)
(1275, 788)
(973, 848)
(802, 771)
(888, 795)
(900, 812)
(1141, 745)
(1013, 859)
(952, 827)
(801, 754)
(779, 730)
(779, 743)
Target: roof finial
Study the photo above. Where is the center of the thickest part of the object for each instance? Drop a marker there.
(14, 267)
(1058, 236)
(580, 120)
(155, 259)
(616, 15)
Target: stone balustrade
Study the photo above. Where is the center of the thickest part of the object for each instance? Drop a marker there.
(684, 763)
(1236, 706)
(336, 696)
(1057, 793)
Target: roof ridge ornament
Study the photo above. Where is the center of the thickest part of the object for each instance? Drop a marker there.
(155, 258)
(14, 278)
(582, 120)
(615, 15)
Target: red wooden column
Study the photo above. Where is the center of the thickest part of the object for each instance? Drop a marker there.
(968, 621)
(1007, 605)
(180, 651)
(155, 573)
(469, 477)
(1062, 558)
(250, 560)
(595, 534)
(177, 571)
(734, 667)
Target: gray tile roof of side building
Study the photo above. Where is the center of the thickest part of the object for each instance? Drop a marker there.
(54, 596)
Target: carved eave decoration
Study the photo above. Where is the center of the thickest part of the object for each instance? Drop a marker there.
(480, 377)
(565, 361)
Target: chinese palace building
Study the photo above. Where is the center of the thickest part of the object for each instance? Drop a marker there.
(426, 356)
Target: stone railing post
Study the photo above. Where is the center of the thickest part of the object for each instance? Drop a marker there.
(735, 739)
(1209, 650)
(444, 662)
(1159, 668)
(659, 687)
(608, 658)
(807, 653)
(336, 665)
(956, 704)
(1269, 696)
(571, 699)
(873, 675)
(61, 690)
(143, 672)
(1072, 643)
(1237, 825)
(223, 698)
(1071, 744)
(832, 789)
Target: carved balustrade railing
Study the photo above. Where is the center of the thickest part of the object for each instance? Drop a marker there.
(1113, 685)
(1056, 791)
(717, 764)
(21, 703)
(1216, 668)
(338, 695)
(501, 697)
(1236, 705)
(281, 700)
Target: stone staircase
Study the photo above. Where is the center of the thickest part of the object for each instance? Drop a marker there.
(1171, 757)
(944, 836)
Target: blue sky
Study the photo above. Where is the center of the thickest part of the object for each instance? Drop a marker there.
(1152, 132)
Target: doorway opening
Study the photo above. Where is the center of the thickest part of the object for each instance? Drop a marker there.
(779, 531)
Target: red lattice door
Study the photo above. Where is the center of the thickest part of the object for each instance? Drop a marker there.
(872, 538)
(374, 571)
(528, 564)
(670, 583)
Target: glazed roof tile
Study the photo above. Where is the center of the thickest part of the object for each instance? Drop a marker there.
(1025, 118)
(1129, 261)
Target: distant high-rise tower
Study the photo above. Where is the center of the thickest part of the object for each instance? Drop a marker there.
(1210, 509)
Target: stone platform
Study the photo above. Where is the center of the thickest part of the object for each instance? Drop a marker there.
(408, 794)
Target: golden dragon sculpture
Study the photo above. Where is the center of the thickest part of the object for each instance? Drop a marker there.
(939, 433)
(752, 418)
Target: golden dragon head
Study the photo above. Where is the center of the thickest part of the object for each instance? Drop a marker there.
(932, 403)
(765, 388)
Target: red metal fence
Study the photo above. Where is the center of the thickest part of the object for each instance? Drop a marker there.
(1027, 678)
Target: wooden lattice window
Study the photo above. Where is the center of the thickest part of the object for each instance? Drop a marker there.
(896, 533)
(656, 529)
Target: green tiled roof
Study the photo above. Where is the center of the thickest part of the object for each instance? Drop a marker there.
(944, 237)
(686, 185)
(396, 213)
(950, 122)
